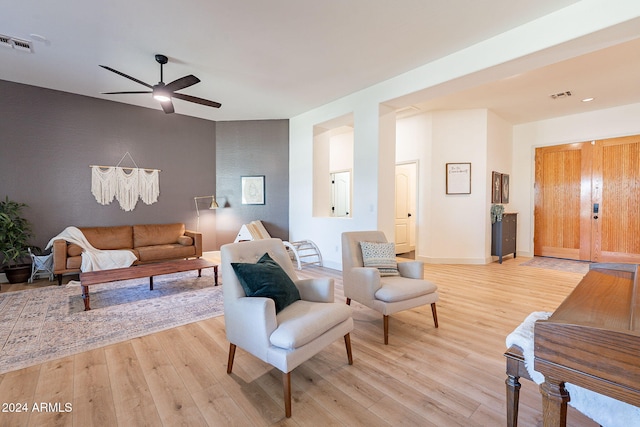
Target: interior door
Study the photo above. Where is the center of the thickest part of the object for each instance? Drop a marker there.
(341, 193)
(587, 201)
(405, 224)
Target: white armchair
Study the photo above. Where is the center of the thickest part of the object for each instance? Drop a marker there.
(293, 335)
(385, 294)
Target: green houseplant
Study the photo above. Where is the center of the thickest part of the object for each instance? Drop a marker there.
(15, 232)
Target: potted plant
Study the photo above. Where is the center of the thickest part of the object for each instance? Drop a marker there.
(496, 213)
(15, 232)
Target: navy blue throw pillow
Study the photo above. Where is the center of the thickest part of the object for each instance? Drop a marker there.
(267, 279)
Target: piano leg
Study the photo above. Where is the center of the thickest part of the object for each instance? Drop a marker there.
(515, 371)
(513, 398)
(554, 403)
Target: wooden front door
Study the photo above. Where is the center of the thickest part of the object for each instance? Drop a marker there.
(587, 201)
(616, 182)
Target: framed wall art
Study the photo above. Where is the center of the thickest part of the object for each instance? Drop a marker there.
(253, 190)
(504, 192)
(496, 187)
(458, 178)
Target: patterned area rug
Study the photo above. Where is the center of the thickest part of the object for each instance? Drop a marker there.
(569, 265)
(47, 323)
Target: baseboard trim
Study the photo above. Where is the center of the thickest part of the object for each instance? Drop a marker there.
(475, 261)
(332, 265)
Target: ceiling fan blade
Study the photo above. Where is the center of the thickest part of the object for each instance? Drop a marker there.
(196, 100)
(117, 93)
(127, 76)
(167, 107)
(182, 83)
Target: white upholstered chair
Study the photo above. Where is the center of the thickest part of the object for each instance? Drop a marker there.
(385, 294)
(295, 334)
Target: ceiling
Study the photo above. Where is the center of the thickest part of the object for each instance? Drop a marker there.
(278, 59)
(602, 79)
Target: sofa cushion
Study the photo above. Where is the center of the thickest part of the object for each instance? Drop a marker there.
(163, 252)
(381, 256)
(185, 240)
(398, 288)
(118, 237)
(156, 234)
(74, 250)
(267, 279)
(74, 262)
(303, 321)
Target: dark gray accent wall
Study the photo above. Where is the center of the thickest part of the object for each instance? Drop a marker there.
(49, 138)
(256, 147)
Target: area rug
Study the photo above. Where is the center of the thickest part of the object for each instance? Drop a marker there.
(42, 324)
(560, 264)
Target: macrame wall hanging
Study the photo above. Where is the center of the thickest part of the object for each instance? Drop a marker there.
(125, 184)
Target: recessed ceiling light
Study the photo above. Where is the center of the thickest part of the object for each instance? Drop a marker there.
(588, 99)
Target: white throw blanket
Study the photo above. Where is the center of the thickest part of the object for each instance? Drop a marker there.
(95, 259)
(602, 409)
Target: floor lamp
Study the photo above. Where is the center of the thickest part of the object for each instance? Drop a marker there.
(213, 205)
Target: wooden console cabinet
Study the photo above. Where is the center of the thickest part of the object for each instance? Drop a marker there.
(503, 236)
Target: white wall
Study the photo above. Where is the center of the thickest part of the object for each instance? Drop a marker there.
(456, 232)
(607, 123)
(373, 190)
(499, 158)
(341, 152)
(413, 138)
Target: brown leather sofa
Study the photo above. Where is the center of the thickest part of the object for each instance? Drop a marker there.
(148, 242)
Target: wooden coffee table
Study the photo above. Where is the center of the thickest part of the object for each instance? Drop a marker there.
(143, 270)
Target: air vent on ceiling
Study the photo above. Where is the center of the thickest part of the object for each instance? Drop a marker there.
(23, 45)
(16, 43)
(5, 41)
(561, 95)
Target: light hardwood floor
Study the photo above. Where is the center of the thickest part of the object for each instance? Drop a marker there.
(450, 376)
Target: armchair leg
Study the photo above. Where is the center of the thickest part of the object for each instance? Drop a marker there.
(286, 383)
(347, 343)
(385, 321)
(435, 314)
(348, 301)
(232, 353)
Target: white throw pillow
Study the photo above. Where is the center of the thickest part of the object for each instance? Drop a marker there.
(381, 256)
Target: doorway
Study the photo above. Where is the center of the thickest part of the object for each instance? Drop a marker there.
(587, 201)
(405, 209)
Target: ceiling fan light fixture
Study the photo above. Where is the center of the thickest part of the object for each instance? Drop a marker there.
(161, 98)
(164, 93)
(161, 94)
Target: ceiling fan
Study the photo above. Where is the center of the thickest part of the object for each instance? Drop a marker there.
(164, 92)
